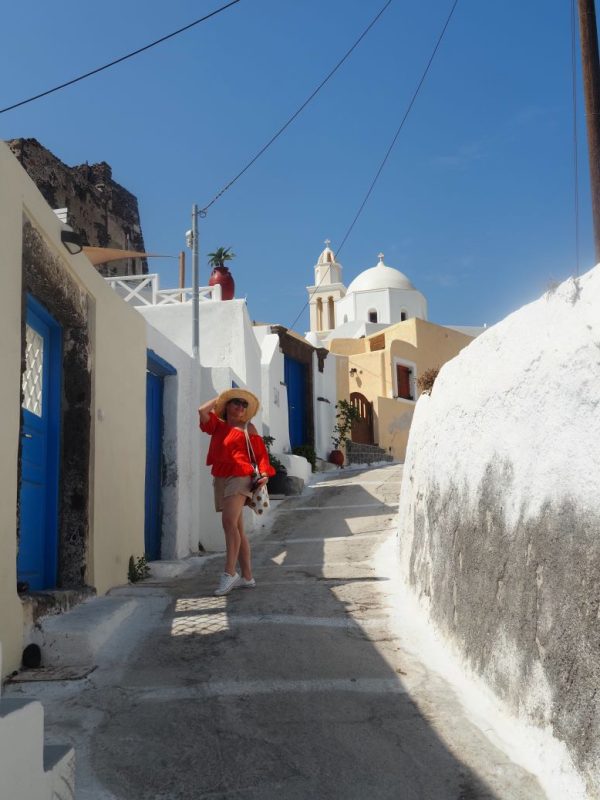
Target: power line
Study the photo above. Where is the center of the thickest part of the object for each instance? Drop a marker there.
(387, 155)
(296, 113)
(574, 112)
(119, 60)
(404, 118)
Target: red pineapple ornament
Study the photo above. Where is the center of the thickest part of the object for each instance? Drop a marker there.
(220, 273)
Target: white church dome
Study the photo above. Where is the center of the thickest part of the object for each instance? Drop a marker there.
(380, 277)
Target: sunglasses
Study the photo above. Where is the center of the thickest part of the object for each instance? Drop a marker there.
(237, 401)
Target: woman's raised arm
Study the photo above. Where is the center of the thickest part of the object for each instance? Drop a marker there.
(206, 408)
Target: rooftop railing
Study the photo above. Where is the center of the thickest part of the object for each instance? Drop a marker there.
(144, 290)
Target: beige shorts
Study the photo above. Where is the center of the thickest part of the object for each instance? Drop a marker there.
(226, 487)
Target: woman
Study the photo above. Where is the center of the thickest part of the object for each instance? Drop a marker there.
(226, 419)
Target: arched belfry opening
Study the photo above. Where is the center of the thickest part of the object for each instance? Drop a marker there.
(326, 291)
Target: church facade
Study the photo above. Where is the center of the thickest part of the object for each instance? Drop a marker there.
(379, 323)
(378, 296)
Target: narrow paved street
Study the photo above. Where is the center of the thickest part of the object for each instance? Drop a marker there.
(298, 689)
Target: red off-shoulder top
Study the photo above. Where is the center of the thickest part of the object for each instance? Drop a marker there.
(228, 453)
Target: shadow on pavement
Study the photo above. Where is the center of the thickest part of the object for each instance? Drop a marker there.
(292, 690)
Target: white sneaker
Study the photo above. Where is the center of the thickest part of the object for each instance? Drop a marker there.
(226, 583)
(245, 584)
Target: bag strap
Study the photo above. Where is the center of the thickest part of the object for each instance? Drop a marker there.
(250, 450)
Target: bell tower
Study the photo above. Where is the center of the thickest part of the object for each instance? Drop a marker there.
(328, 288)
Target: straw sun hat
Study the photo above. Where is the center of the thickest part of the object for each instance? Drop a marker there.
(243, 394)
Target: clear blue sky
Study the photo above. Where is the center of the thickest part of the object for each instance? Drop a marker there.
(476, 204)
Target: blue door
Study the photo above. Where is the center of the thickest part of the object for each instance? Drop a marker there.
(40, 437)
(157, 369)
(154, 404)
(295, 380)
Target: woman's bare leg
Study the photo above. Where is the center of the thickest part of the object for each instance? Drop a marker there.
(232, 509)
(244, 553)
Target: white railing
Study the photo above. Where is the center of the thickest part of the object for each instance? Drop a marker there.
(144, 290)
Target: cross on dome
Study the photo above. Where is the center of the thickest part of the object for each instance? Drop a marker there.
(380, 257)
(327, 242)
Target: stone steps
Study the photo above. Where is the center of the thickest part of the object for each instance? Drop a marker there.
(357, 453)
(75, 638)
(30, 770)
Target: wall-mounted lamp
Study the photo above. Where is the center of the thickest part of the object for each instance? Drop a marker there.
(72, 241)
(353, 371)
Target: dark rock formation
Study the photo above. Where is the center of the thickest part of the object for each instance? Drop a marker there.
(99, 209)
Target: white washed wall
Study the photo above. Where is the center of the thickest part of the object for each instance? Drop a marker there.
(389, 303)
(414, 303)
(324, 387)
(274, 391)
(229, 352)
(180, 494)
(499, 517)
(226, 338)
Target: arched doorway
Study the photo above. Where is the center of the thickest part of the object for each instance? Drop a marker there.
(362, 428)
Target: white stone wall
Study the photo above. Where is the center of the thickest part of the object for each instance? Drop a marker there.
(226, 338)
(324, 400)
(29, 769)
(229, 353)
(414, 303)
(500, 513)
(273, 390)
(389, 303)
(180, 494)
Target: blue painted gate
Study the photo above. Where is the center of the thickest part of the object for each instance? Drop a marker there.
(157, 369)
(295, 380)
(37, 558)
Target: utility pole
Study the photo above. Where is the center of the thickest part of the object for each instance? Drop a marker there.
(195, 286)
(181, 272)
(588, 35)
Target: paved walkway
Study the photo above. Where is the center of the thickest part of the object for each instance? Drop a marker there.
(301, 688)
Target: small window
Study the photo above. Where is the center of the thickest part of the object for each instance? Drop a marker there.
(403, 375)
(372, 316)
(33, 376)
(377, 342)
(403, 316)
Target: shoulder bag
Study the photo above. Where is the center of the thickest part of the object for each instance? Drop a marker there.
(259, 502)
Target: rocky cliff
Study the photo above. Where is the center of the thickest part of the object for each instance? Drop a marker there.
(99, 209)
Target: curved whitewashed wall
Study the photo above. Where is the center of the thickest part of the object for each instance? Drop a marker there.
(500, 513)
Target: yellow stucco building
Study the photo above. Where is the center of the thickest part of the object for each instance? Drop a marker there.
(72, 428)
(383, 370)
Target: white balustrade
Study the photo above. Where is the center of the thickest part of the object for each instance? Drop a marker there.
(144, 290)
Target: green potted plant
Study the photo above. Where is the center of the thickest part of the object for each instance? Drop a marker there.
(345, 415)
(220, 273)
